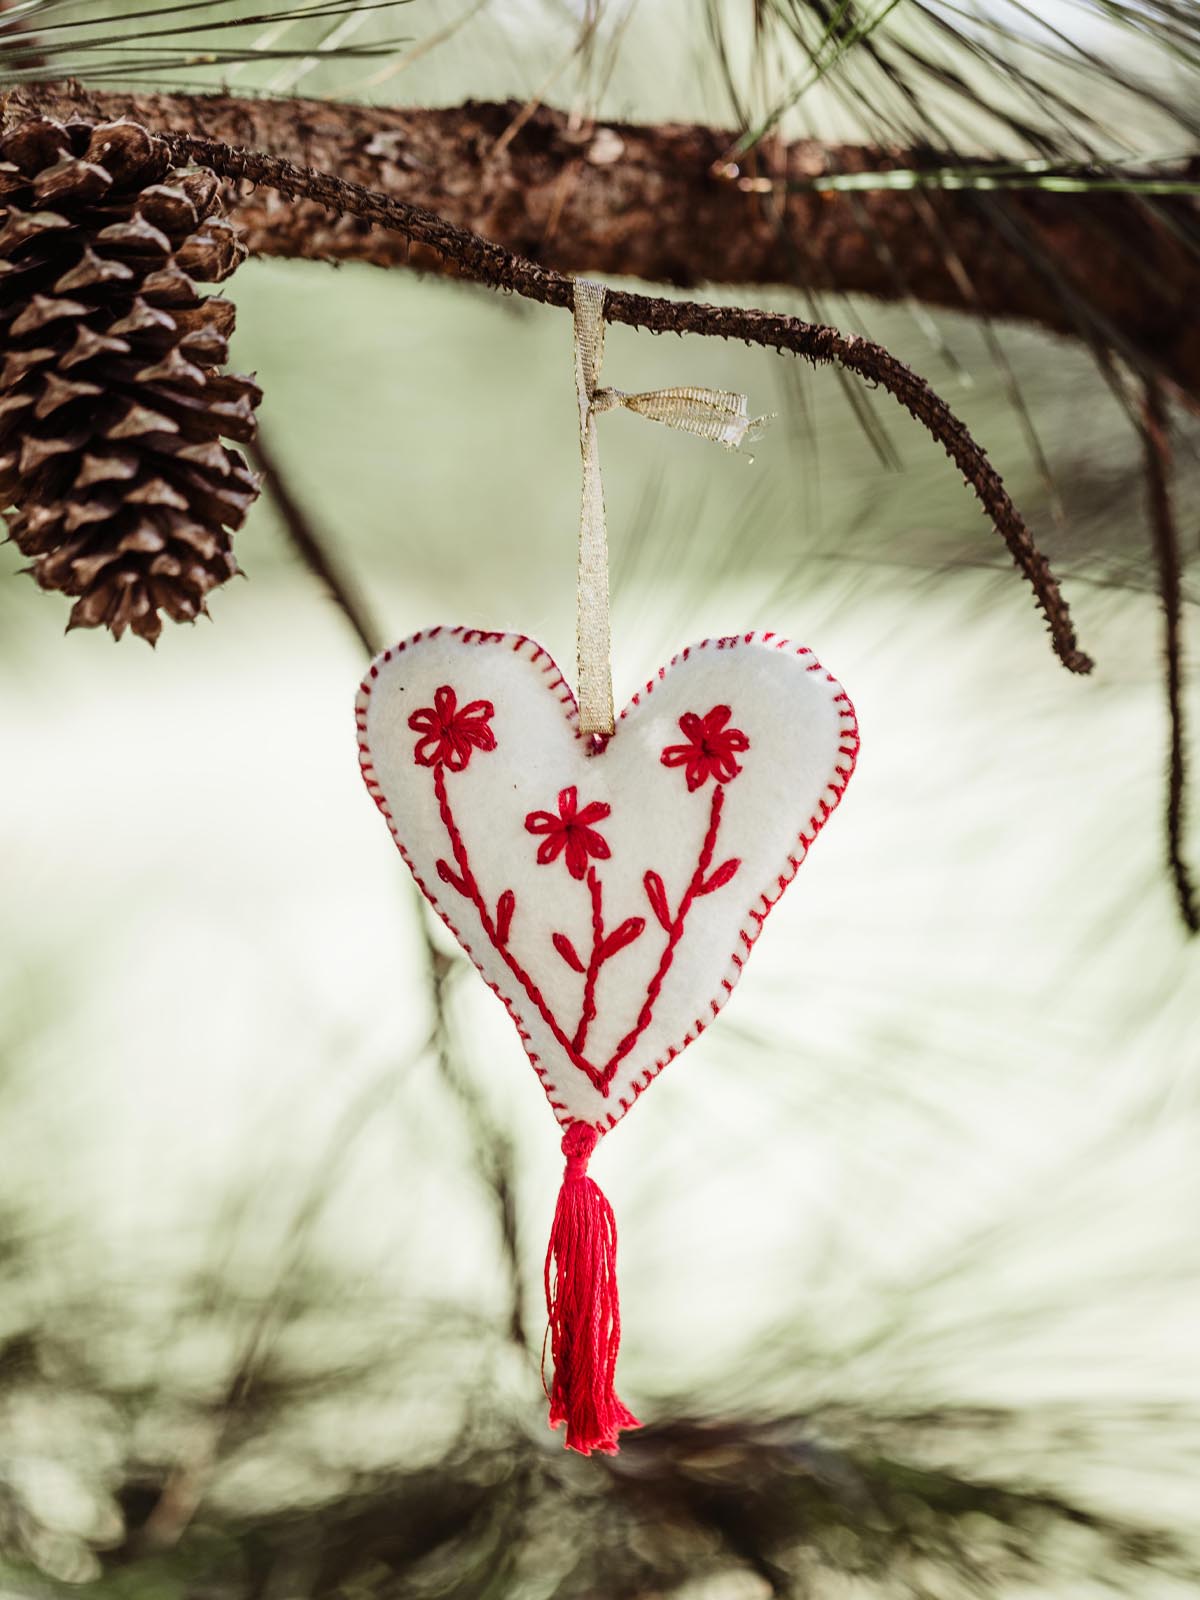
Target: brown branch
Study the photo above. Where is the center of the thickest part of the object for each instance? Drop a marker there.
(642, 201)
(493, 1149)
(1155, 425)
(312, 547)
(18, 42)
(488, 263)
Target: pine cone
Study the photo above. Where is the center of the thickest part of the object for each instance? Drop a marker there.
(112, 405)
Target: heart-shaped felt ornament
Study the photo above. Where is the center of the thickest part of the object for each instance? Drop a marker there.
(609, 891)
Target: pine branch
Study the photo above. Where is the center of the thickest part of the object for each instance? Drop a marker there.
(1155, 425)
(663, 203)
(493, 1149)
(16, 41)
(313, 548)
(488, 263)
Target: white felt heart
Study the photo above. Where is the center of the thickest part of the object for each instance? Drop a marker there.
(609, 893)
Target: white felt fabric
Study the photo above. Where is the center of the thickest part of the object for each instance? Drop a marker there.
(481, 783)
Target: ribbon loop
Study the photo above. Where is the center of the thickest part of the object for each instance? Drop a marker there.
(593, 632)
(715, 414)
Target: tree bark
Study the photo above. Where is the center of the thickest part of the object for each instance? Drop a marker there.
(617, 199)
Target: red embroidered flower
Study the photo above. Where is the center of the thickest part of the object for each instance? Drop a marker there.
(449, 735)
(711, 747)
(571, 830)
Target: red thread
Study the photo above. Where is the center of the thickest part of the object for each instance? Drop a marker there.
(710, 748)
(448, 733)
(588, 1013)
(471, 887)
(568, 952)
(693, 889)
(721, 876)
(571, 832)
(505, 907)
(656, 893)
(582, 1308)
(448, 875)
(630, 930)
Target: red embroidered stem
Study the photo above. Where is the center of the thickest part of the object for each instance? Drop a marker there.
(496, 929)
(595, 961)
(581, 1306)
(694, 888)
(505, 907)
(472, 891)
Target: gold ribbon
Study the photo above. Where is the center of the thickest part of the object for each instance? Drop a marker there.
(715, 414)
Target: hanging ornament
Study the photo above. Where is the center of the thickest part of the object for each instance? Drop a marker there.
(608, 879)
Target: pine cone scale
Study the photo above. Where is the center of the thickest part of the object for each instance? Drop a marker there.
(37, 450)
(170, 287)
(71, 179)
(142, 318)
(136, 421)
(91, 271)
(22, 226)
(114, 467)
(137, 238)
(174, 367)
(81, 512)
(18, 362)
(89, 343)
(42, 310)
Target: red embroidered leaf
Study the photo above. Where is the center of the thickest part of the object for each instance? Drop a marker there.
(504, 914)
(629, 930)
(448, 875)
(656, 893)
(567, 951)
(721, 876)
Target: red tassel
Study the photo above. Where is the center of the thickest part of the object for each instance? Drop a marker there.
(581, 1303)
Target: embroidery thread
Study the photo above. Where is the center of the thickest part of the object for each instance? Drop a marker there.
(571, 832)
(710, 748)
(447, 740)
(448, 735)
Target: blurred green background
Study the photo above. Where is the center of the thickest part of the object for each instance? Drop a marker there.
(909, 1242)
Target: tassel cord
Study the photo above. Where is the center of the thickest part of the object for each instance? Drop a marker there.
(582, 1307)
